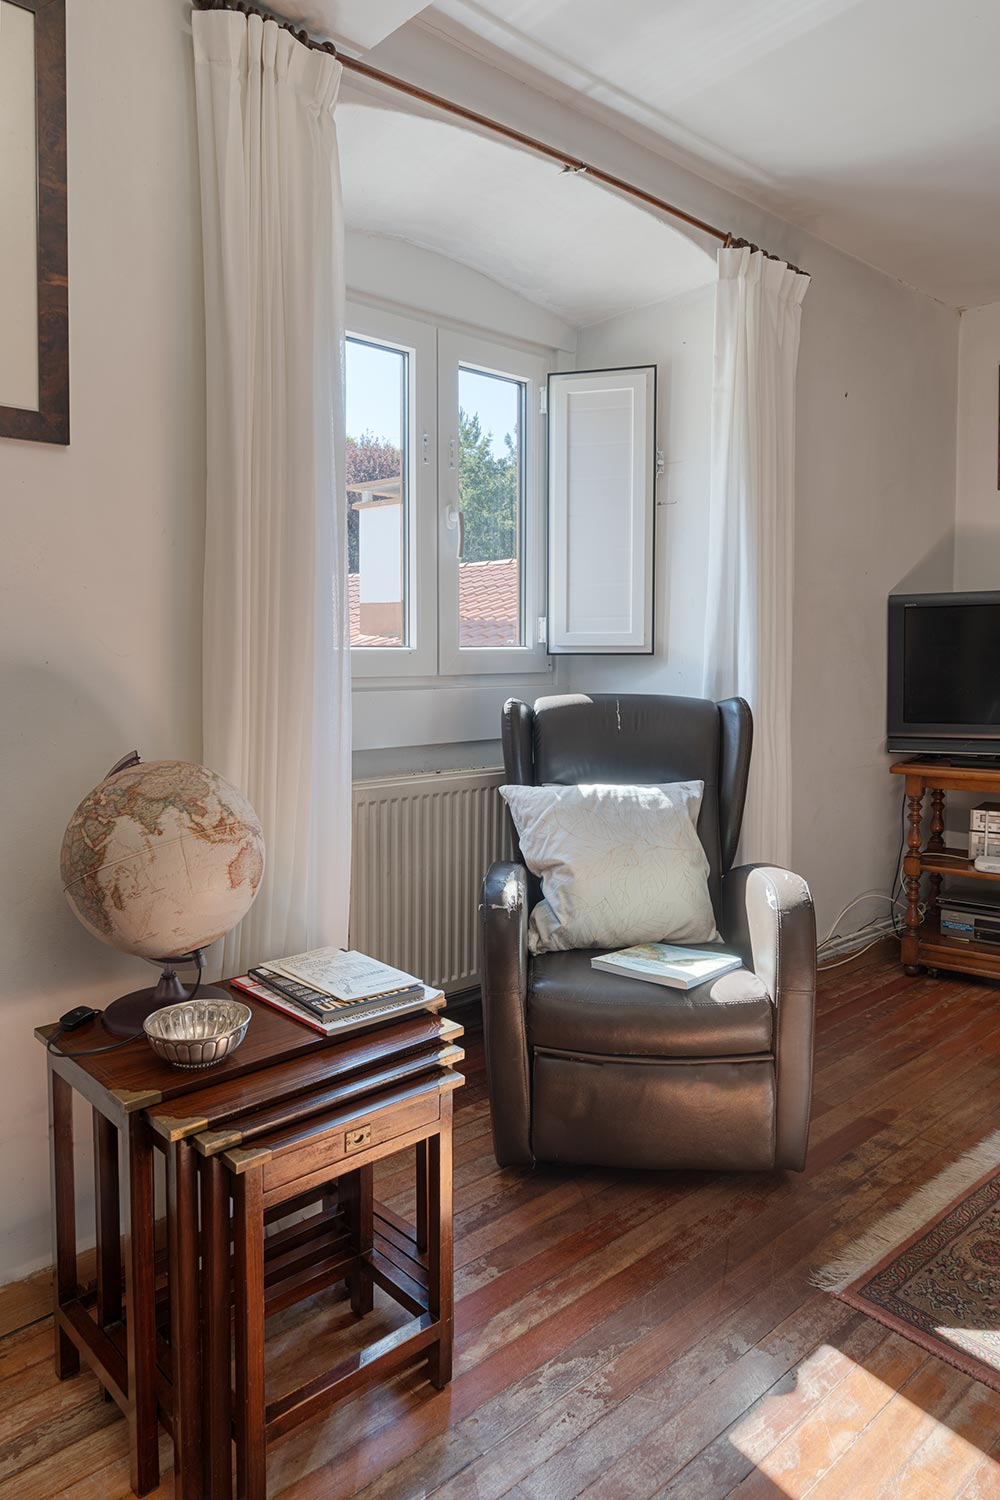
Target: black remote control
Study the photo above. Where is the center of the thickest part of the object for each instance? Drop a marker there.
(78, 1017)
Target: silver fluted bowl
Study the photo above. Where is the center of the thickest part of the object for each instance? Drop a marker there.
(197, 1033)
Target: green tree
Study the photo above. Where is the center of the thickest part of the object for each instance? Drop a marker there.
(488, 484)
(366, 457)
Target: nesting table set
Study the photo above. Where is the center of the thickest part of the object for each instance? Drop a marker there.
(287, 1128)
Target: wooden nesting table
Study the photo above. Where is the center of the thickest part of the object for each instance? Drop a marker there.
(156, 1327)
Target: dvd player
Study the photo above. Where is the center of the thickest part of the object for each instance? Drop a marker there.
(970, 922)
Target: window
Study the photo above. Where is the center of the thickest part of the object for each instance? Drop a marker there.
(444, 479)
(491, 500)
(602, 476)
(377, 472)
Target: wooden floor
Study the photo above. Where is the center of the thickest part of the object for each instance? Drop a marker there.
(623, 1336)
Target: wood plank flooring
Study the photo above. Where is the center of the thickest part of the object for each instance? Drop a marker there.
(625, 1336)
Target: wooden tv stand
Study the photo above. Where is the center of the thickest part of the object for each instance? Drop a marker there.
(923, 943)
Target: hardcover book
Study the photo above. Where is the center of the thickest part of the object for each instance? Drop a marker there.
(665, 963)
(345, 1018)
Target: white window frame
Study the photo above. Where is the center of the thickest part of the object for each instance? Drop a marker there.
(456, 350)
(418, 340)
(435, 355)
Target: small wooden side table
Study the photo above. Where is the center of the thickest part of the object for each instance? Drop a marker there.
(196, 1130)
(923, 943)
(113, 1325)
(274, 1159)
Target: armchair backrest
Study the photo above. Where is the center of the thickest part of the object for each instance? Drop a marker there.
(640, 739)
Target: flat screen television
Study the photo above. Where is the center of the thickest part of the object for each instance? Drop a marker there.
(944, 674)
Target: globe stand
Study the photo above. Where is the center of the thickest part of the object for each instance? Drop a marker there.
(124, 1016)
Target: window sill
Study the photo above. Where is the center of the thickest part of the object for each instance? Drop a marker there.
(539, 672)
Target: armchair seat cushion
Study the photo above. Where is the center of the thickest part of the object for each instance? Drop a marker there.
(574, 1008)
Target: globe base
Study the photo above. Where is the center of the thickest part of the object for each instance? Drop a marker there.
(124, 1016)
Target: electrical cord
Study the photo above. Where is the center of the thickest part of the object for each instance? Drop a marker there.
(95, 1015)
(821, 968)
(893, 900)
(87, 1051)
(865, 896)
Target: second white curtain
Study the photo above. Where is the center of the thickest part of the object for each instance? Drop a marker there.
(276, 647)
(748, 632)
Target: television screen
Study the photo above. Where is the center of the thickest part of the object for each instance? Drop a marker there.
(951, 664)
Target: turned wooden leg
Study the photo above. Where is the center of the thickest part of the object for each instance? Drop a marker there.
(357, 1197)
(185, 1332)
(248, 1225)
(140, 1296)
(217, 1285)
(911, 880)
(67, 1356)
(440, 1250)
(936, 842)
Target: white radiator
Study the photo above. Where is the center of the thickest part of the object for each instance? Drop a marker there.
(422, 844)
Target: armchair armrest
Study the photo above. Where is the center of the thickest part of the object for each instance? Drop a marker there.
(503, 915)
(768, 914)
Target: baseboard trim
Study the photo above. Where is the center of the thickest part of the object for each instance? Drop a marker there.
(855, 942)
(30, 1300)
(885, 947)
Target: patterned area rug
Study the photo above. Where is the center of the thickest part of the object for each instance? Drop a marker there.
(931, 1269)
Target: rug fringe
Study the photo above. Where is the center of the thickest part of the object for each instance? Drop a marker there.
(896, 1227)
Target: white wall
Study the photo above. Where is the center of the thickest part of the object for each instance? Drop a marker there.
(393, 273)
(977, 548)
(977, 507)
(876, 455)
(100, 571)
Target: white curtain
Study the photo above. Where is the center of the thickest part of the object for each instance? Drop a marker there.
(276, 645)
(748, 628)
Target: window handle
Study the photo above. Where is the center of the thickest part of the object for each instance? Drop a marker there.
(454, 519)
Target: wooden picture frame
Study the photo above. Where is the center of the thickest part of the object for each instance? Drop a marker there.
(48, 422)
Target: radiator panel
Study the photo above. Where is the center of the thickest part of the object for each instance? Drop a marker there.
(421, 847)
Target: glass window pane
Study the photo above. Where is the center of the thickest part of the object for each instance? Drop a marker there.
(377, 492)
(491, 485)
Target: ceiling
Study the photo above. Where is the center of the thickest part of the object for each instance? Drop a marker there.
(555, 238)
(875, 124)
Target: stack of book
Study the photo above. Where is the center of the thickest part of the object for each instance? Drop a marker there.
(336, 989)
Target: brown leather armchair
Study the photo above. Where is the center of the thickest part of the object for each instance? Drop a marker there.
(588, 1067)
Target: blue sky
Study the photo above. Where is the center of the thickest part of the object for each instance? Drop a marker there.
(374, 377)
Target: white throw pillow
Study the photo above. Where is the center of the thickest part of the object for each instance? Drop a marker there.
(618, 864)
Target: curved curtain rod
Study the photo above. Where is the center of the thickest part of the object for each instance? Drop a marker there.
(496, 127)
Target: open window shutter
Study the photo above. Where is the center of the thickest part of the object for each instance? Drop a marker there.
(601, 480)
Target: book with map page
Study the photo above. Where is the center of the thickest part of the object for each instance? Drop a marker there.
(344, 974)
(665, 963)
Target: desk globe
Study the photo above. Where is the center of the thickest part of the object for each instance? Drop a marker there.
(160, 860)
